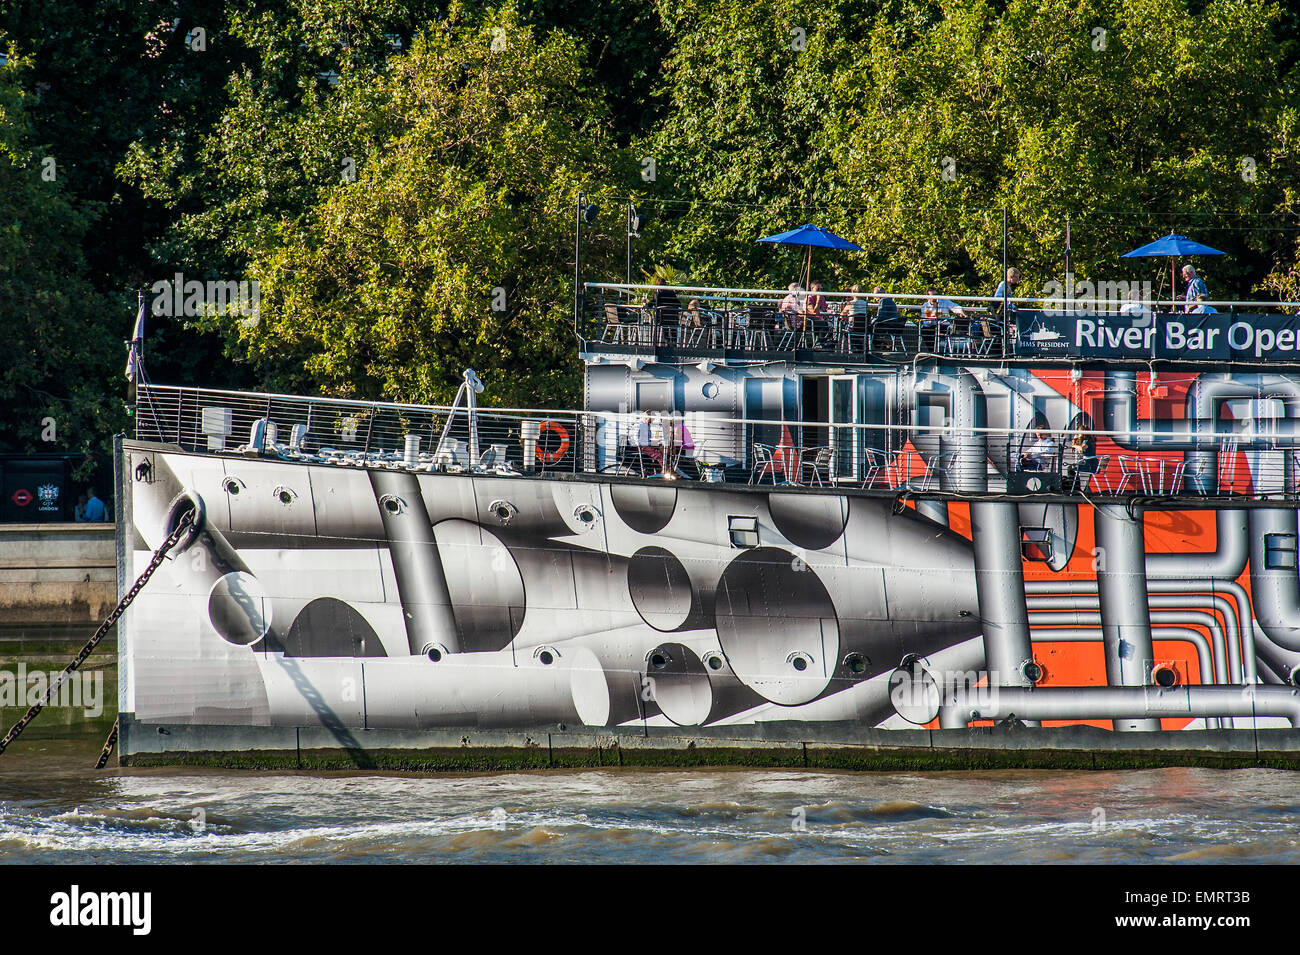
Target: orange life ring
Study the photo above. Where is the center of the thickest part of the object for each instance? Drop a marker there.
(551, 457)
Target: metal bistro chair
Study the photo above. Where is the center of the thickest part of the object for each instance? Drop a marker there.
(990, 332)
(614, 323)
(820, 464)
(762, 325)
(1131, 468)
(736, 333)
(891, 330)
(1228, 466)
(876, 461)
(958, 341)
(788, 334)
(939, 464)
(690, 332)
(668, 322)
(1198, 470)
(1092, 467)
(764, 463)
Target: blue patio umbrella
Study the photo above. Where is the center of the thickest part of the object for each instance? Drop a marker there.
(812, 237)
(1172, 246)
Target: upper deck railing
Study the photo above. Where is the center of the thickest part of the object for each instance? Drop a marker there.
(672, 323)
(899, 458)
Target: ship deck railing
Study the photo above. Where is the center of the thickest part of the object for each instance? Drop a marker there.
(893, 459)
(736, 324)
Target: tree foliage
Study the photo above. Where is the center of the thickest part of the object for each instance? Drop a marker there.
(912, 130)
(58, 352)
(401, 175)
(451, 248)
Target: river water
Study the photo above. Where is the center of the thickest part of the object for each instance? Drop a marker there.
(55, 809)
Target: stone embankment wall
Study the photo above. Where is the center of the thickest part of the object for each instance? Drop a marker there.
(56, 573)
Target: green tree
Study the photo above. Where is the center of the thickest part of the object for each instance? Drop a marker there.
(909, 128)
(452, 247)
(58, 350)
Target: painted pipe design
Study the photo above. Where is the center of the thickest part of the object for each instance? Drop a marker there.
(962, 432)
(695, 689)
(1125, 612)
(1275, 589)
(1000, 581)
(1226, 562)
(1236, 605)
(1136, 705)
(1091, 631)
(421, 583)
(871, 701)
(463, 689)
(1282, 664)
(1201, 420)
(1173, 609)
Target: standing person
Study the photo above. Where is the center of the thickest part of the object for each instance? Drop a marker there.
(95, 510)
(1196, 289)
(79, 513)
(1007, 287)
(666, 308)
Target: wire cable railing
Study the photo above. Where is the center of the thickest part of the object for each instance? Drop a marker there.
(675, 322)
(888, 457)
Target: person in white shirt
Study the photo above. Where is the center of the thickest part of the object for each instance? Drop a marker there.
(1040, 455)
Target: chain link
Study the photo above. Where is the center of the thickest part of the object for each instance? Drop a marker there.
(182, 525)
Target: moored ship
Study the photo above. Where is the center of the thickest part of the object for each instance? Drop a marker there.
(1001, 525)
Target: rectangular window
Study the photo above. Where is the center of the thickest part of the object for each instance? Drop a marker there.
(1036, 543)
(1279, 552)
(654, 396)
(743, 530)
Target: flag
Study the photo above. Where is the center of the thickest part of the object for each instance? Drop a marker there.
(135, 357)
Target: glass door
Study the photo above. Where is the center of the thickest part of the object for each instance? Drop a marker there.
(846, 444)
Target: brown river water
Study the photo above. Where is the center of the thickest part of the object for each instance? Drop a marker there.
(54, 808)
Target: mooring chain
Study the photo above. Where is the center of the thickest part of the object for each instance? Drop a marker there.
(109, 743)
(182, 525)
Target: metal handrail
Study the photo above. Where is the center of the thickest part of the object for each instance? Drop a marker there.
(989, 299)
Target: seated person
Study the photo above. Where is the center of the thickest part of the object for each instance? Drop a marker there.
(1137, 310)
(1080, 455)
(815, 304)
(852, 315)
(937, 313)
(792, 305)
(1041, 454)
(886, 310)
(814, 309)
(855, 306)
(1198, 305)
(691, 318)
